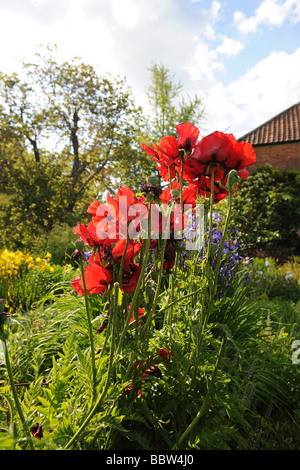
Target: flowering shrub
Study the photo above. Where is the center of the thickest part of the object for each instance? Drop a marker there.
(231, 252)
(24, 278)
(277, 280)
(266, 213)
(17, 263)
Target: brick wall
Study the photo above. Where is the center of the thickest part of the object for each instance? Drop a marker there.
(283, 156)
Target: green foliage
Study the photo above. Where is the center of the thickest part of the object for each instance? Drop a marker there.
(66, 136)
(266, 212)
(256, 393)
(168, 105)
(39, 195)
(59, 242)
(28, 285)
(208, 365)
(272, 280)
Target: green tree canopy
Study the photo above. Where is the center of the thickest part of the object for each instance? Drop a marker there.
(67, 135)
(168, 105)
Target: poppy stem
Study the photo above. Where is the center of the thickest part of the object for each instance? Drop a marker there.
(205, 218)
(170, 178)
(101, 397)
(137, 291)
(15, 395)
(224, 236)
(123, 259)
(161, 268)
(181, 181)
(211, 203)
(89, 327)
(157, 291)
(205, 401)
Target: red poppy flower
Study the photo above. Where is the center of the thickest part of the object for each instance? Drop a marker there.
(194, 168)
(37, 431)
(132, 250)
(189, 196)
(165, 353)
(140, 314)
(97, 279)
(221, 151)
(104, 219)
(112, 218)
(203, 186)
(165, 155)
(241, 155)
(88, 234)
(188, 135)
(125, 198)
(92, 209)
(168, 149)
(130, 279)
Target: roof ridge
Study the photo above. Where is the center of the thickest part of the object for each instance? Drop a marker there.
(274, 125)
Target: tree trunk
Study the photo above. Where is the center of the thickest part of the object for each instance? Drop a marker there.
(35, 149)
(75, 144)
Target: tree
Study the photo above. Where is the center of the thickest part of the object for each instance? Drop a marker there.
(168, 105)
(67, 136)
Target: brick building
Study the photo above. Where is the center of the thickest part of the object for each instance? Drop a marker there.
(277, 141)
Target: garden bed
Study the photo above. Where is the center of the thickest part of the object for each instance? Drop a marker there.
(146, 344)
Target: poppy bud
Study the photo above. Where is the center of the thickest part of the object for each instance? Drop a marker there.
(153, 180)
(149, 188)
(76, 255)
(232, 180)
(37, 431)
(79, 244)
(175, 193)
(4, 320)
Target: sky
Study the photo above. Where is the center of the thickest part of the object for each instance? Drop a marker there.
(241, 57)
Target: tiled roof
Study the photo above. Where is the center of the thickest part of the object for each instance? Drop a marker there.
(285, 127)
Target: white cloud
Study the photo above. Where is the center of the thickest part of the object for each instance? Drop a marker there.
(69, 28)
(271, 13)
(134, 13)
(126, 12)
(230, 47)
(265, 90)
(124, 37)
(204, 63)
(215, 7)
